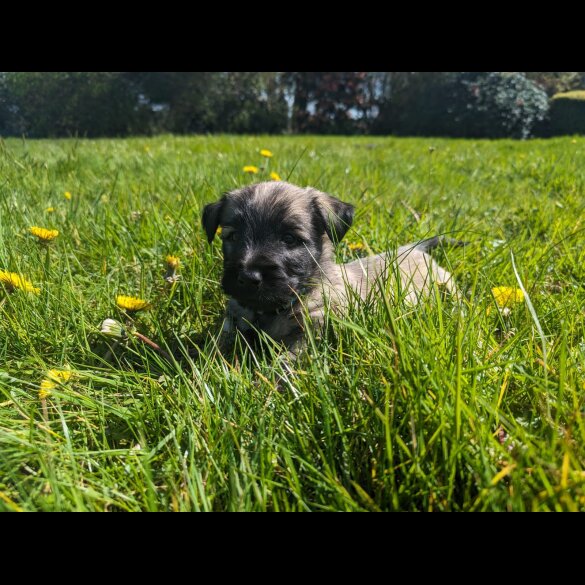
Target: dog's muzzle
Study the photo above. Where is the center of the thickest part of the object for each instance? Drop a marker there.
(257, 273)
(250, 278)
(262, 289)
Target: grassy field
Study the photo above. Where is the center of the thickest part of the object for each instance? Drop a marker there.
(446, 407)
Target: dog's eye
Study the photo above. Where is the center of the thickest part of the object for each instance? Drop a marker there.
(230, 236)
(290, 240)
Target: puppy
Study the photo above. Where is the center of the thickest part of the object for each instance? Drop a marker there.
(278, 249)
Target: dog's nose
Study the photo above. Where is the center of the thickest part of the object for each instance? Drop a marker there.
(250, 277)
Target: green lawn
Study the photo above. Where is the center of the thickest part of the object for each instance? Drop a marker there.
(444, 407)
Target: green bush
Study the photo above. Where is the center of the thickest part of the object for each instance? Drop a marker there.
(567, 113)
(499, 105)
(467, 105)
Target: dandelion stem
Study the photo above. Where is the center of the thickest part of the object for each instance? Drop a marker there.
(152, 344)
(172, 292)
(47, 262)
(45, 410)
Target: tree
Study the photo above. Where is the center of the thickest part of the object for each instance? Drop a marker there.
(556, 82)
(331, 103)
(252, 103)
(415, 103)
(466, 104)
(69, 103)
(195, 102)
(499, 105)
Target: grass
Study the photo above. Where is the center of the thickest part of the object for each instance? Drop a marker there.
(443, 407)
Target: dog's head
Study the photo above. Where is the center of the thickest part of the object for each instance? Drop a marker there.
(273, 239)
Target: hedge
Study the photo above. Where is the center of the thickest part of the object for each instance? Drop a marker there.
(567, 113)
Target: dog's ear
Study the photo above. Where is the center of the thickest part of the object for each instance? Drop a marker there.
(210, 219)
(335, 215)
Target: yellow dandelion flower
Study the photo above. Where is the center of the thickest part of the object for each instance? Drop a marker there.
(507, 296)
(172, 261)
(46, 387)
(131, 303)
(52, 380)
(353, 246)
(275, 176)
(266, 153)
(218, 232)
(60, 376)
(13, 281)
(573, 141)
(67, 195)
(43, 234)
(50, 209)
(251, 169)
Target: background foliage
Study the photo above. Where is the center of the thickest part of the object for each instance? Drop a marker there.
(466, 104)
(568, 113)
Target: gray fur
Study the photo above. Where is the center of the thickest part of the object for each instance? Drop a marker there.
(272, 280)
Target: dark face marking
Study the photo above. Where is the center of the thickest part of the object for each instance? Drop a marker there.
(272, 236)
